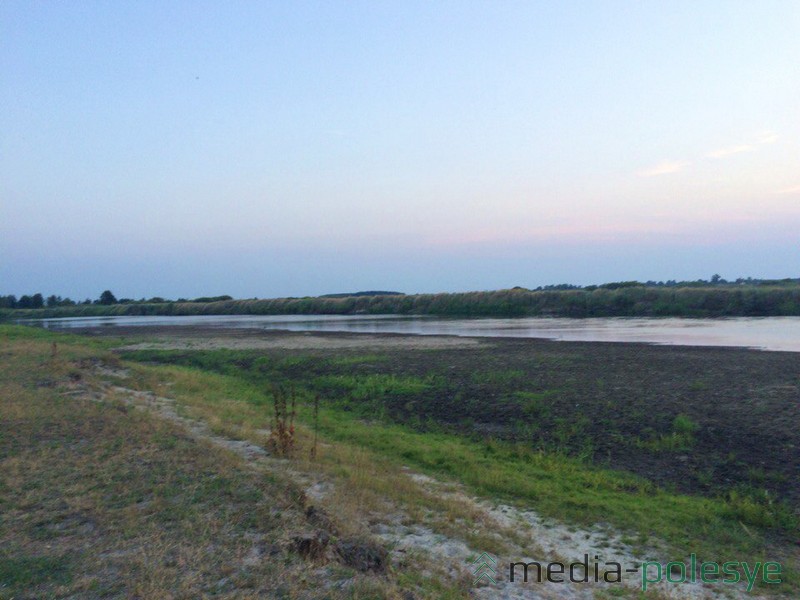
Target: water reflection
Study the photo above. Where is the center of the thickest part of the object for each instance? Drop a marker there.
(768, 333)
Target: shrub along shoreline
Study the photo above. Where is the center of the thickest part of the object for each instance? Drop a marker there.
(631, 300)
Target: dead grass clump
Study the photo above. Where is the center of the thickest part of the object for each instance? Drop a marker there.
(281, 438)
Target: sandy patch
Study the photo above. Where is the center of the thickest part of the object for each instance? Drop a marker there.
(546, 541)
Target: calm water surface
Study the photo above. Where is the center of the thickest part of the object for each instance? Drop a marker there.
(766, 333)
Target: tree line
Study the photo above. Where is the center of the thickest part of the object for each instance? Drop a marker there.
(107, 298)
(39, 301)
(713, 298)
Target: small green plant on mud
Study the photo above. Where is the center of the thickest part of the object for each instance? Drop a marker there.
(679, 439)
(684, 425)
(534, 404)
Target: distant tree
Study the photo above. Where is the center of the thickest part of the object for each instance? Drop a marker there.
(59, 301)
(560, 286)
(616, 285)
(8, 301)
(37, 300)
(107, 298)
(212, 299)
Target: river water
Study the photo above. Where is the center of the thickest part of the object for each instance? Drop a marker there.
(765, 333)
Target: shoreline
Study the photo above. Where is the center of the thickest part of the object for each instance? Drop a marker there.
(256, 338)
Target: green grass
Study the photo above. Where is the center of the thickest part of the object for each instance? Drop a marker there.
(20, 571)
(534, 404)
(499, 377)
(564, 488)
(680, 439)
(365, 387)
(360, 359)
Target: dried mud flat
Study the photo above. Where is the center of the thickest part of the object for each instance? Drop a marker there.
(213, 338)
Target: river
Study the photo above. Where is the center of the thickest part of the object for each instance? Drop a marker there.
(765, 333)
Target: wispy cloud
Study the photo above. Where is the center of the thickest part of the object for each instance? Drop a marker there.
(673, 166)
(728, 150)
(765, 137)
(664, 168)
(795, 189)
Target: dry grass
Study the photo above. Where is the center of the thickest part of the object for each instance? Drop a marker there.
(99, 499)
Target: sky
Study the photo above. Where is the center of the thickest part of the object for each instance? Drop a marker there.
(267, 149)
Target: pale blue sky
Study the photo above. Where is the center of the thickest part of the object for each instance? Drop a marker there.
(292, 148)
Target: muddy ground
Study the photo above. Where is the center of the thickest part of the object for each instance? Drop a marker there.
(694, 419)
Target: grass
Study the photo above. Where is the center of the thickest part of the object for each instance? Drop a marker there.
(504, 376)
(565, 488)
(100, 500)
(117, 480)
(679, 439)
(376, 386)
(534, 404)
(20, 571)
(359, 359)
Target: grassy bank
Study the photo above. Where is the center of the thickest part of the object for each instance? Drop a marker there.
(627, 301)
(103, 500)
(100, 500)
